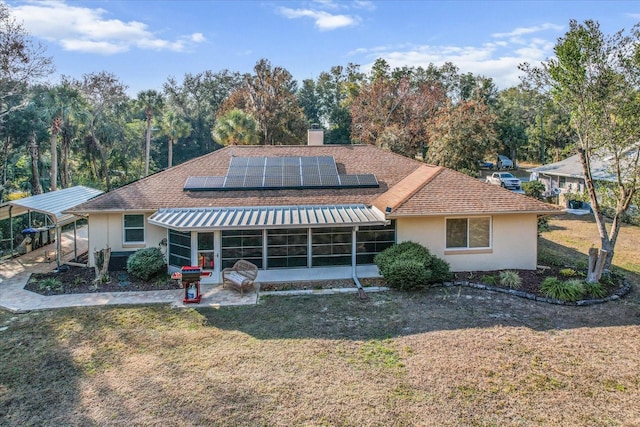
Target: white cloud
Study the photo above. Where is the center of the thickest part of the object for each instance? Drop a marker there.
(323, 20)
(88, 30)
(198, 37)
(497, 60)
(529, 30)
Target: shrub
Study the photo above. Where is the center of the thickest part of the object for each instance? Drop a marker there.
(568, 272)
(405, 274)
(571, 290)
(50, 284)
(595, 290)
(489, 280)
(433, 269)
(510, 279)
(533, 189)
(145, 263)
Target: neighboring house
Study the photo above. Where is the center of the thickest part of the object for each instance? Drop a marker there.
(314, 212)
(566, 176)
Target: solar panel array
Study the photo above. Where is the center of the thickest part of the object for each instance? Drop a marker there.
(271, 173)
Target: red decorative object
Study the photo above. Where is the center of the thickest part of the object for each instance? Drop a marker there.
(191, 284)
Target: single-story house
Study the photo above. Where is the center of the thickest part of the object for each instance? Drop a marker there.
(566, 176)
(314, 212)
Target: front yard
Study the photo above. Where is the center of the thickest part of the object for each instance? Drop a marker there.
(445, 356)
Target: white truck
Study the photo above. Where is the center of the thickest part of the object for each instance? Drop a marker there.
(504, 179)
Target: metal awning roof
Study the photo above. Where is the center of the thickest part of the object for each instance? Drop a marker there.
(186, 219)
(51, 204)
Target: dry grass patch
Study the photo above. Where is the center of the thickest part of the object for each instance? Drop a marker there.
(400, 359)
(444, 356)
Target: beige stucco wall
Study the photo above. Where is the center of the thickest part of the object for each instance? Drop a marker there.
(514, 242)
(105, 230)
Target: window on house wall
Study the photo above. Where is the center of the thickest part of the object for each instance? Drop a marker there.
(287, 248)
(468, 233)
(562, 182)
(179, 248)
(371, 240)
(331, 246)
(241, 244)
(133, 227)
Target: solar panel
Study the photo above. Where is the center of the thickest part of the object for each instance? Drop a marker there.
(348, 181)
(255, 171)
(368, 180)
(234, 182)
(214, 182)
(329, 180)
(255, 161)
(253, 181)
(280, 173)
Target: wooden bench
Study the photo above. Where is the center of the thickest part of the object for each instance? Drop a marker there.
(240, 277)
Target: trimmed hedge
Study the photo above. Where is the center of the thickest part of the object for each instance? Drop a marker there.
(145, 263)
(409, 265)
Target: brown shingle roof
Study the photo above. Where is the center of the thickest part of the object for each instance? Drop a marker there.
(453, 193)
(416, 188)
(406, 188)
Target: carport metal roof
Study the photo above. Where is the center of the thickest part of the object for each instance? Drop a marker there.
(186, 219)
(51, 204)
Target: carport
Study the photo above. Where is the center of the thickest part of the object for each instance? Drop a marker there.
(52, 205)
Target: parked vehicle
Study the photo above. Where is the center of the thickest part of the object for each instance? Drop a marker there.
(485, 165)
(505, 179)
(503, 162)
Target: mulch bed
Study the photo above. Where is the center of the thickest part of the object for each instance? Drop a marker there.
(79, 280)
(75, 280)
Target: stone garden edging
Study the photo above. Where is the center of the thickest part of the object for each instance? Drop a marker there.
(619, 293)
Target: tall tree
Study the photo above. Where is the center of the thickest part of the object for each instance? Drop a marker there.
(151, 103)
(395, 112)
(174, 127)
(269, 96)
(197, 99)
(60, 103)
(236, 128)
(335, 91)
(596, 79)
(21, 63)
(106, 100)
(462, 134)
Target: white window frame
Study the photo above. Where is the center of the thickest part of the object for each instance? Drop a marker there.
(124, 230)
(467, 247)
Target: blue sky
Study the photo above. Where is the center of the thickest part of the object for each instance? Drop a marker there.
(143, 42)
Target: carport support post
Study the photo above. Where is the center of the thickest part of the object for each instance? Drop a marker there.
(75, 242)
(11, 228)
(58, 246)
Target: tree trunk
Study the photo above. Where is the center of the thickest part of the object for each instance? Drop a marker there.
(147, 146)
(597, 261)
(101, 265)
(65, 149)
(4, 158)
(35, 171)
(55, 130)
(170, 152)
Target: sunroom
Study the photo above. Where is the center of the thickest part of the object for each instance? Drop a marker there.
(284, 242)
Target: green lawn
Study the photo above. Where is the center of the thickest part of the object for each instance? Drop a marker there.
(445, 357)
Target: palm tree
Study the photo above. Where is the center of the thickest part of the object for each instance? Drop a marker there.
(151, 102)
(61, 102)
(236, 128)
(174, 127)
